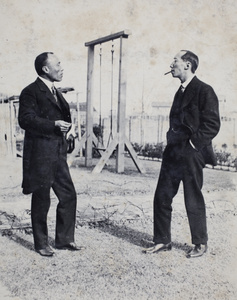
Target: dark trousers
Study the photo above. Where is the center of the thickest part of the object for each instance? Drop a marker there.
(66, 209)
(183, 163)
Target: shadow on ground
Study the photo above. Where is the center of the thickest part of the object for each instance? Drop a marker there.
(132, 236)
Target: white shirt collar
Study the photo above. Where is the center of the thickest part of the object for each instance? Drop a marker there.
(185, 83)
(48, 83)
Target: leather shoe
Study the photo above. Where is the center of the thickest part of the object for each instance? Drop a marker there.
(70, 246)
(158, 248)
(45, 252)
(197, 251)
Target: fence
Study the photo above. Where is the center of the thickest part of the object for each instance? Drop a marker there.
(141, 129)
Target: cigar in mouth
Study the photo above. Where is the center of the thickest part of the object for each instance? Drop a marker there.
(167, 73)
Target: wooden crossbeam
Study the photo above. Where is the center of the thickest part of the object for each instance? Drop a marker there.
(108, 152)
(78, 146)
(134, 156)
(110, 37)
(106, 155)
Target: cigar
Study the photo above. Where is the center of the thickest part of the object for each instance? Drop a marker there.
(167, 73)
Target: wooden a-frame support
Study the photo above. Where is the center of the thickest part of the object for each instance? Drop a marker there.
(120, 140)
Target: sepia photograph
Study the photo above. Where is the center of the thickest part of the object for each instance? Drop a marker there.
(118, 150)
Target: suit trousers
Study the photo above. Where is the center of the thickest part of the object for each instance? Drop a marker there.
(66, 209)
(181, 162)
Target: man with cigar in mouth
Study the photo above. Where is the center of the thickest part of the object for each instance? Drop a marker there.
(44, 114)
(194, 122)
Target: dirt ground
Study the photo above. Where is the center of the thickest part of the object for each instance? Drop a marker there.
(114, 223)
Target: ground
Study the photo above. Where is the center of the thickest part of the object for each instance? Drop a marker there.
(114, 223)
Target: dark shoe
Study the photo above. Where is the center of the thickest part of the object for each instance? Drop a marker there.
(197, 251)
(45, 252)
(70, 246)
(158, 248)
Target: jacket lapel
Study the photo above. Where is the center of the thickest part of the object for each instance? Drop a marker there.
(189, 92)
(47, 92)
(63, 102)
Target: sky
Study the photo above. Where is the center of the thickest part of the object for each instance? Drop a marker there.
(159, 29)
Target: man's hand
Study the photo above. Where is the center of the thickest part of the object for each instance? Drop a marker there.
(64, 126)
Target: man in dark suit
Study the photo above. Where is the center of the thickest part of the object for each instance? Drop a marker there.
(194, 122)
(45, 116)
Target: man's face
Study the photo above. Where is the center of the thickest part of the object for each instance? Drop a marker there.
(178, 66)
(54, 70)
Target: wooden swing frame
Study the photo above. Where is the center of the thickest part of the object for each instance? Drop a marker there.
(120, 140)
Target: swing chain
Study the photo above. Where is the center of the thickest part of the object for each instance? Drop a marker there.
(100, 117)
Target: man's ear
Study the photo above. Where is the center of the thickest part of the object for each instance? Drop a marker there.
(45, 69)
(188, 65)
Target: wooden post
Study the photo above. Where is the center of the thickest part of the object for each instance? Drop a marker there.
(121, 107)
(5, 133)
(130, 129)
(12, 128)
(79, 124)
(89, 111)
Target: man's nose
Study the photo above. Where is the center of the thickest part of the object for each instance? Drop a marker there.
(171, 65)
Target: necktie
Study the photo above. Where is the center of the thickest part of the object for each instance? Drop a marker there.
(54, 92)
(182, 88)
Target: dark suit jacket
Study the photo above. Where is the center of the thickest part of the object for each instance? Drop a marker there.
(38, 112)
(200, 114)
